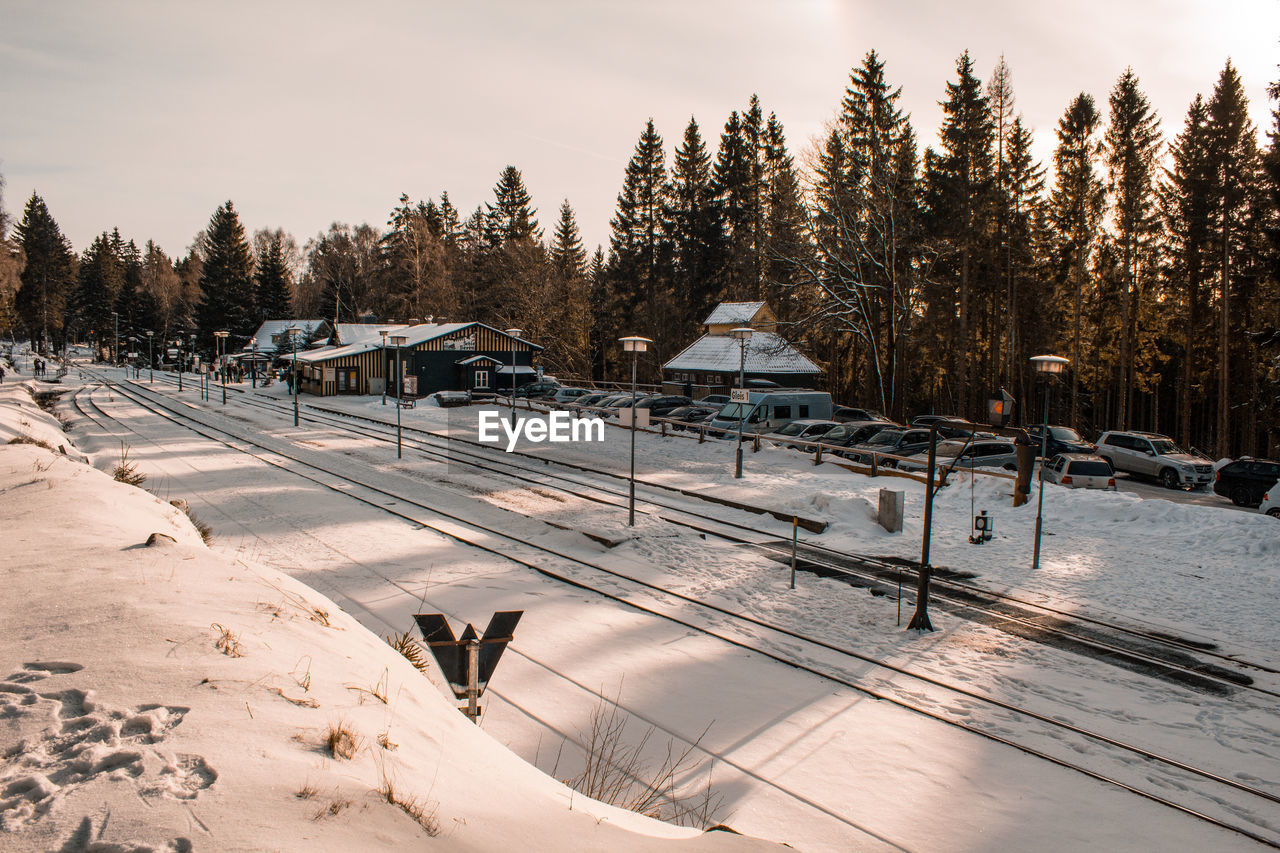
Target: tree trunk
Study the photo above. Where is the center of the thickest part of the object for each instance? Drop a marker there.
(1224, 343)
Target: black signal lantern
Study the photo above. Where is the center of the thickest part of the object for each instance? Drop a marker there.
(984, 526)
(1000, 409)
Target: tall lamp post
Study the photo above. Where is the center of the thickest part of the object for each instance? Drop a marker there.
(635, 346)
(743, 334)
(115, 347)
(221, 343)
(253, 365)
(177, 345)
(398, 341)
(384, 333)
(1051, 366)
(293, 336)
(151, 359)
(515, 336)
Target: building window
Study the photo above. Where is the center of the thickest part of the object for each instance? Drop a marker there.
(482, 379)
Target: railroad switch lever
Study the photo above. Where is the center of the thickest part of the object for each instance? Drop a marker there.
(468, 673)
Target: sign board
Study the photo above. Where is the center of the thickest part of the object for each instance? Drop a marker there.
(330, 374)
(739, 395)
(642, 418)
(171, 351)
(411, 386)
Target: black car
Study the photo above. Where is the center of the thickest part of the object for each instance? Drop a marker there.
(844, 414)
(894, 440)
(1246, 480)
(1062, 439)
(849, 434)
(537, 389)
(691, 415)
(661, 404)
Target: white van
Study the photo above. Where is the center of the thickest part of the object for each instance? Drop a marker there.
(768, 410)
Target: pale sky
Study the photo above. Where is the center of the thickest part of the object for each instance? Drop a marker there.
(148, 115)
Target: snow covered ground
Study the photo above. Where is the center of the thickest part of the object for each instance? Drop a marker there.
(796, 758)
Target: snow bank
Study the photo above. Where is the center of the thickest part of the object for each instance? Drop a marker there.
(164, 697)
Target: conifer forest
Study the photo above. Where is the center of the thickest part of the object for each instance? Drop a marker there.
(920, 274)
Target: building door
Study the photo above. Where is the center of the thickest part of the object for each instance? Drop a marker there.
(348, 380)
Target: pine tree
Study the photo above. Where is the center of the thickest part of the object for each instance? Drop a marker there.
(1132, 143)
(48, 276)
(959, 184)
(226, 281)
(1235, 166)
(569, 347)
(785, 223)
(1076, 208)
(273, 278)
(98, 286)
(511, 218)
(733, 182)
(696, 230)
(1023, 198)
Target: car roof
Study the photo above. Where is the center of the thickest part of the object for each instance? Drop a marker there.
(1082, 457)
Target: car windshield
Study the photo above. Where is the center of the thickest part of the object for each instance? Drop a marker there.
(792, 428)
(885, 438)
(837, 432)
(733, 411)
(951, 448)
(1065, 434)
(1164, 446)
(1089, 469)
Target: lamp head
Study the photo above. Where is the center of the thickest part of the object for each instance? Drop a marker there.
(635, 343)
(742, 333)
(1051, 364)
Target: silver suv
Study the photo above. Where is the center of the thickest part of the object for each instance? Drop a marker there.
(1149, 454)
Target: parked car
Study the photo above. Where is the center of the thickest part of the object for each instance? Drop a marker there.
(850, 433)
(926, 421)
(1061, 439)
(1246, 480)
(844, 414)
(660, 404)
(716, 400)
(807, 429)
(1271, 503)
(691, 417)
(537, 389)
(588, 400)
(1149, 454)
(1080, 471)
(898, 441)
(610, 407)
(961, 453)
(562, 396)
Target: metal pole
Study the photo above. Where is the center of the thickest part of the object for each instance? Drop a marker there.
(632, 519)
(920, 620)
(383, 351)
(742, 383)
(1044, 441)
(253, 369)
(224, 370)
(795, 523)
(473, 679)
(513, 382)
(297, 380)
(151, 359)
(399, 454)
(179, 364)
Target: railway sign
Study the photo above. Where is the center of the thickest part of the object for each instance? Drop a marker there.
(739, 395)
(468, 673)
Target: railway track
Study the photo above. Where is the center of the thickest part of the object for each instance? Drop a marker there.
(820, 658)
(1173, 659)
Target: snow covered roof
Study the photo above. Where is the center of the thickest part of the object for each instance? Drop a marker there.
(475, 359)
(366, 333)
(269, 334)
(328, 353)
(739, 313)
(766, 353)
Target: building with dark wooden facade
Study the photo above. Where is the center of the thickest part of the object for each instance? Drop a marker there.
(436, 356)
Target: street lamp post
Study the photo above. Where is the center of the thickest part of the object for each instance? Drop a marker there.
(115, 346)
(384, 333)
(635, 346)
(743, 334)
(151, 359)
(253, 366)
(177, 345)
(297, 380)
(398, 341)
(1051, 366)
(515, 336)
(222, 361)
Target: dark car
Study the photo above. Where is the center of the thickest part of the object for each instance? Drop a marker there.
(1062, 439)
(691, 415)
(894, 440)
(661, 404)
(592, 399)
(1246, 480)
(844, 414)
(849, 434)
(537, 389)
